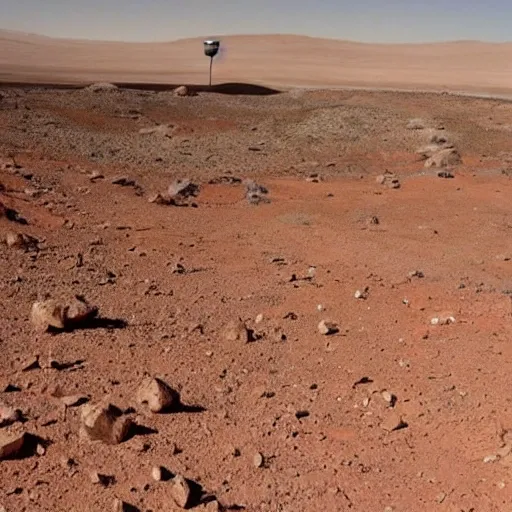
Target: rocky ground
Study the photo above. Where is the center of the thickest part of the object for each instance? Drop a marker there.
(333, 335)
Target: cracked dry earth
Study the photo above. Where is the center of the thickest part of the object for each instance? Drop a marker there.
(404, 407)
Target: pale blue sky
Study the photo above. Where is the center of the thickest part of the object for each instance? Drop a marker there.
(360, 20)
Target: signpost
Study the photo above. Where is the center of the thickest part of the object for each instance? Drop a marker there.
(211, 48)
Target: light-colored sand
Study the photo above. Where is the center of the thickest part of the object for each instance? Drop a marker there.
(279, 60)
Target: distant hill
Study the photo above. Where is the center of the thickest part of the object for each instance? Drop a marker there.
(278, 60)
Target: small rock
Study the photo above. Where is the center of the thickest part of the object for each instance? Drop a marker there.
(448, 157)
(123, 181)
(67, 462)
(211, 506)
(389, 398)
(255, 193)
(416, 124)
(490, 458)
(183, 188)
(40, 450)
(416, 273)
(157, 473)
(443, 320)
(21, 241)
(74, 400)
(363, 295)
(80, 311)
(393, 422)
(327, 328)
(179, 268)
(388, 179)
(8, 415)
(181, 91)
(445, 174)
(258, 460)
(180, 491)
(95, 175)
(236, 330)
(121, 506)
(301, 414)
(314, 178)
(105, 423)
(10, 445)
(158, 199)
(157, 394)
(259, 319)
(48, 314)
(99, 479)
(441, 497)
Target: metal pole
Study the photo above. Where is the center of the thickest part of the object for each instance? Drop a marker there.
(211, 63)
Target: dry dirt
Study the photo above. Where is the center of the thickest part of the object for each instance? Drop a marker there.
(278, 60)
(292, 420)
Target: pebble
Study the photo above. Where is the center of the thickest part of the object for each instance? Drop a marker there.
(8, 415)
(105, 423)
(66, 462)
(10, 445)
(236, 330)
(20, 241)
(79, 311)
(361, 294)
(393, 422)
(121, 506)
(96, 175)
(99, 479)
(258, 460)
(124, 181)
(181, 91)
(326, 328)
(388, 179)
(157, 473)
(388, 397)
(158, 395)
(259, 319)
(180, 491)
(490, 458)
(441, 497)
(40, 450)
(442, 320)
(212, 506)
(158, 199)
(30, 364)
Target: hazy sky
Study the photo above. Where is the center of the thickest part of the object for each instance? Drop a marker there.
(361, 20)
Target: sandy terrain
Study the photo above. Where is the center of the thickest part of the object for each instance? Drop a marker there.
(279, 60)
(293, 420)
(386, 214)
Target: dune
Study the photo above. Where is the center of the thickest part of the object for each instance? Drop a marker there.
(274, 60)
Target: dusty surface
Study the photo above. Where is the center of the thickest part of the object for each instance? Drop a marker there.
(278, 423)
(279, 60)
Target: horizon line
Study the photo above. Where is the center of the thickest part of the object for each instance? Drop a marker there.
(263, 34)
